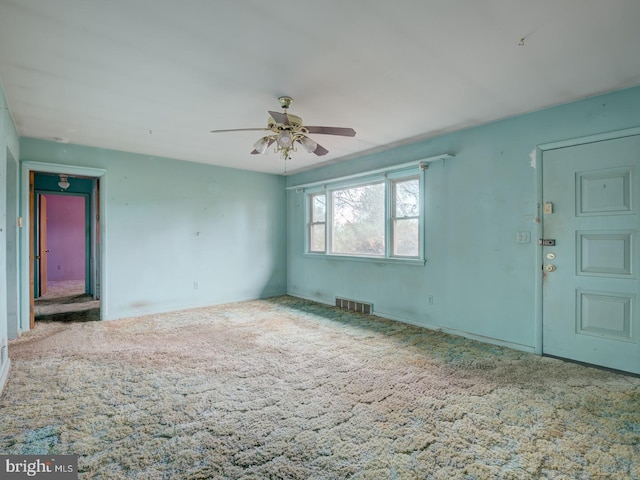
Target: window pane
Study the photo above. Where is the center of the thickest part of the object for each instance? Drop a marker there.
(407, 198)
(317, 238)
(358, 220)
(406, 238)
(318, 208)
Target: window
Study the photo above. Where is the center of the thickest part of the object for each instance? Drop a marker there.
(357, 220)
(317, 222)
(405, 217)
(379, 218)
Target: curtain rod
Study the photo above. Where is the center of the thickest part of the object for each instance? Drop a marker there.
(372, 172)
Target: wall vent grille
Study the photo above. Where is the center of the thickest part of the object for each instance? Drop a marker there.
(354, 305)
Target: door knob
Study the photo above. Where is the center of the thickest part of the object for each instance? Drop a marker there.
(550, 268)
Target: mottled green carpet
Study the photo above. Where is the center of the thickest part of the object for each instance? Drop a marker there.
(290, 389)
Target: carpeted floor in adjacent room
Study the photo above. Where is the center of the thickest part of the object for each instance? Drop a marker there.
(290, 389)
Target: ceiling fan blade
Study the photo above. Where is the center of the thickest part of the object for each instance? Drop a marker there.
(280, 117)
(320, 150)
(238, 130)
(345, 132)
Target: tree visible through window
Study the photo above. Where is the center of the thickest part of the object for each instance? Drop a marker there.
(358, 220)
(406, 217)
(380, 218)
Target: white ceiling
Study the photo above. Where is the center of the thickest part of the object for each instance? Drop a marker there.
(155, 76)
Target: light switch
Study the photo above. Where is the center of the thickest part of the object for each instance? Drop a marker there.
(548, 208)
(523, 237)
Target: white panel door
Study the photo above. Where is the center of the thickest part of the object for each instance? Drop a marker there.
(591, 287)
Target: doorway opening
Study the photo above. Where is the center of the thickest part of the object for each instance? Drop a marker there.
(65, 244)
(27, 235)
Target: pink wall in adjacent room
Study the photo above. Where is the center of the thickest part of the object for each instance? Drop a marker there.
(65, 237)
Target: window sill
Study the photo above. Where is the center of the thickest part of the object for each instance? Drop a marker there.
(417, 262)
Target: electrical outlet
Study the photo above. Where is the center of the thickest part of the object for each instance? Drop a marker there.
(195, 285)
(523, 237)
(430, 299)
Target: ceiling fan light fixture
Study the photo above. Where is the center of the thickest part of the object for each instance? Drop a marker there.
(261, 145)
(308, 144)
(285, 139)
(64, 182)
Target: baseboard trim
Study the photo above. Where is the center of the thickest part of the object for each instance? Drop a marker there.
(4, 374)
(177, 308)
(451, 331)
(313, 299)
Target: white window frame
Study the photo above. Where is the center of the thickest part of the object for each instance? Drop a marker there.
(390, 178)
(310, 223)
(391, 215)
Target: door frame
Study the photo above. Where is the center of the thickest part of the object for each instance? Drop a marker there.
(26, 273)
(538, 164)
(12, 249)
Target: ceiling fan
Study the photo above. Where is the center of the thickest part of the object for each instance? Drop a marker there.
(285, 130)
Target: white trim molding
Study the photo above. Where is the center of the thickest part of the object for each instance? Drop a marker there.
(25, 213)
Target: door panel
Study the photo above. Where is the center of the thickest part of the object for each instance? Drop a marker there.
(591, 280)
(43, 250)
(606, 254)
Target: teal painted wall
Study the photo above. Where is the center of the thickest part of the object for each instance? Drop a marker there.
(171, 224)
(482, 282)
(179, 234)
(49, 183)
(9, 153)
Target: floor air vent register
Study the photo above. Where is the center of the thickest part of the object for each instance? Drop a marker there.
(354, 305)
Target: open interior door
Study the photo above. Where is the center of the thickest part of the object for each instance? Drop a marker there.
(42, 244)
